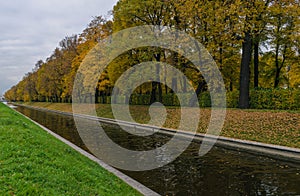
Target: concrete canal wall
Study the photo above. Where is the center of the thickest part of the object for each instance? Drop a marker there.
(133, 183)
(258, 148)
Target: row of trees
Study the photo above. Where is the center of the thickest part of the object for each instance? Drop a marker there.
(256, 44)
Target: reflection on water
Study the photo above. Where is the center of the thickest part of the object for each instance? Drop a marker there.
(220, 172)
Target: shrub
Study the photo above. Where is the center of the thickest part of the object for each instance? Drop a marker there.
(276, 99)
(232, 99)
(204, 99)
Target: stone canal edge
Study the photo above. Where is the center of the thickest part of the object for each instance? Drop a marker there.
(131, 182)
(282, 153)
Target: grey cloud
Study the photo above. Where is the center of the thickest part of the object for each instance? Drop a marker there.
(31, 29)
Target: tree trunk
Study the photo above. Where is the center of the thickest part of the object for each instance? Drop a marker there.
(245, 72)
(256, 63)
(159, 85)
(201, 83)
(156, 85)
(96, 95)
(153, 92)
(200, 88)
(277, 74)
(278, 65)
(230, 86)
(165, 79)
(276, 80)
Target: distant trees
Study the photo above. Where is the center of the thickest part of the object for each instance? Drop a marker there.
(254, 43)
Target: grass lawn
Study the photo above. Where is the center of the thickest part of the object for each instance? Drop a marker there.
(32, 162)
(267, 126)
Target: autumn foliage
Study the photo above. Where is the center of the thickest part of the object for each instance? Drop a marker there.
(256, 45)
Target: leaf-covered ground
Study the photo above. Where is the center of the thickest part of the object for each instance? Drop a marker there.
(273, 127)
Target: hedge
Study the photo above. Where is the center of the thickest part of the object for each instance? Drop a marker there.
(275, 99)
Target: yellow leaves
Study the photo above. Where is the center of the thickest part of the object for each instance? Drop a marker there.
(294, 75)
(104, 84)
(219, 25)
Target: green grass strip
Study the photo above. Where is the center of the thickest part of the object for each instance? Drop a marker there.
(32, 162)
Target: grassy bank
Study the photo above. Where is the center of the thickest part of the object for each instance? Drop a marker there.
(268, 126)
(33, 162)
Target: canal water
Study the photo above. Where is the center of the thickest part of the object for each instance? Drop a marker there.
(220, 172)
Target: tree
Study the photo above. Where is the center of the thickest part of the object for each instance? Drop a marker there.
(233, 31)
(133, 13)
(250, 14)
(282, 25)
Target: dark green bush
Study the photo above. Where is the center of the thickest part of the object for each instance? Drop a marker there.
(136, 99)
(204, 99)
(232, 99)
(275, 99)
(169, 100)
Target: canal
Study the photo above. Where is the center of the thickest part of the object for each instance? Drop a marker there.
(220, 172)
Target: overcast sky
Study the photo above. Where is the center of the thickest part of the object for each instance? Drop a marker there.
(31, 29)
